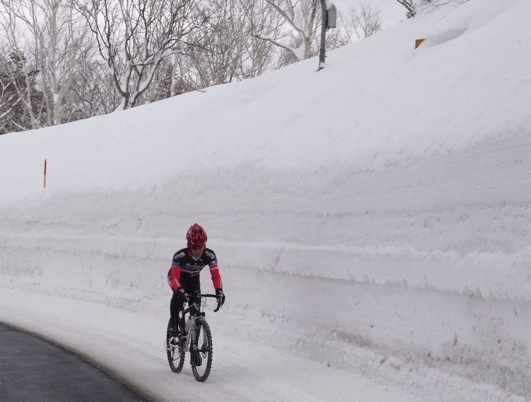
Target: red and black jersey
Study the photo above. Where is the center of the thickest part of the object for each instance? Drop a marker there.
(184, 267)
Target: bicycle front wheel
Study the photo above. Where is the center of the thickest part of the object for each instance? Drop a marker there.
(174, 351)
(201, 354)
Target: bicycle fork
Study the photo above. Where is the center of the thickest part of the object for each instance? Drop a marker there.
(190, 333)
(191, 342)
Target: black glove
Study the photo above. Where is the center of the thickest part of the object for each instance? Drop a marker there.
(179, 295)
(221, 296)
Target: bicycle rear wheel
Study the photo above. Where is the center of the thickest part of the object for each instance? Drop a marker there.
(201, 354)
(174, 351)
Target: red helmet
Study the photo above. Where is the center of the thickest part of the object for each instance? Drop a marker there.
(196, 236)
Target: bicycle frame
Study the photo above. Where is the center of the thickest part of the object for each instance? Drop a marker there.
(190, 315)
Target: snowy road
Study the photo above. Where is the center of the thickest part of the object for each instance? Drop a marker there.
(129, 346)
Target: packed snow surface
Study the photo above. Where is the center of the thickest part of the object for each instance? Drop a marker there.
(371, 222)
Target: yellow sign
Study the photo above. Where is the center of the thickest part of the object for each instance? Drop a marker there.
(418, 42)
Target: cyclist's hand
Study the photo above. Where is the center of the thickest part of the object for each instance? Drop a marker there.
(221, 297)
(179, 294)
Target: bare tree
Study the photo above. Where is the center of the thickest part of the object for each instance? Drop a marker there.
(225, 50)
(92, 90)
(301, 23)
(364, 22)
(298, 36)
(52, 37)
(134, 36)
(412, 6)
(10, 105)
(216, 52)
(18, 75)
(355, 24)
(21, 106)
(262, 21)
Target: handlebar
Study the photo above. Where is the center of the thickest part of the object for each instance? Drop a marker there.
(188, 295)
(215, 296)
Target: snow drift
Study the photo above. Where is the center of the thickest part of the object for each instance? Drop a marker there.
(371, 219)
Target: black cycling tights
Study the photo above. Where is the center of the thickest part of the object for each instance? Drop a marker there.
(190, 284)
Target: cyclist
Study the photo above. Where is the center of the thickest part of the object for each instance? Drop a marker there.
(183, 275)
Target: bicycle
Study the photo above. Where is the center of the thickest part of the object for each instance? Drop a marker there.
(194, 337)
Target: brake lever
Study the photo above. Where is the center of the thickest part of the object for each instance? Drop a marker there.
(219, 305)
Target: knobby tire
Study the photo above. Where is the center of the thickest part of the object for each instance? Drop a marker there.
(201, 359)
(174, 352)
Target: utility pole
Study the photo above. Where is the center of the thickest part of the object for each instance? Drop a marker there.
(328, 20)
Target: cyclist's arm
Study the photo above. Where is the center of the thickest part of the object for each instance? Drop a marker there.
(174, 276)
(216, 277)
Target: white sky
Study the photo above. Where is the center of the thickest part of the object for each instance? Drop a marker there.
(371, 222)
(392, 11)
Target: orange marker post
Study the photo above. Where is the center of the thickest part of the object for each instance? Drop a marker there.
(44, 173)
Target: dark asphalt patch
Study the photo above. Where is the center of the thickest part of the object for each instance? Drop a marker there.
(33, 369)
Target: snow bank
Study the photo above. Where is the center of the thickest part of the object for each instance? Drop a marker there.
(370, 218)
